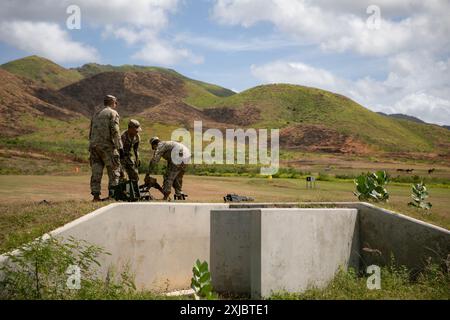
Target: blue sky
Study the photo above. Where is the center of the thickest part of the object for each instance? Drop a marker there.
(393, 59)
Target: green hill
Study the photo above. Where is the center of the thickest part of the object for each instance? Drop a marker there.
(91, 69)
(305, 114)
(283, 105)
(44, 72)
(48, 74)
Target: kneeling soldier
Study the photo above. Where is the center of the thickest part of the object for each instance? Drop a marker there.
(177, 156)
(130, 141)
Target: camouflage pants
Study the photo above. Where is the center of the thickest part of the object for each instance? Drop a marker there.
(101, 157)
(131, 169)
(173, 177)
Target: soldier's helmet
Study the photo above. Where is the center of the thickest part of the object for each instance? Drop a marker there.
(107, 99)
(134, 124)
(154, 140)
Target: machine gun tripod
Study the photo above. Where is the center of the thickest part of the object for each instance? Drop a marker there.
(130, 191)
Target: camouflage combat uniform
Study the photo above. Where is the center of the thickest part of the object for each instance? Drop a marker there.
(104, 146)
(128, 164)
(173, 177)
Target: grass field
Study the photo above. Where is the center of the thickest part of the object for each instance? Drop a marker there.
(22, 217)
(396, 284)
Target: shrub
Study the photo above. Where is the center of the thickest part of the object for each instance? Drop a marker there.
(201, 281)
(39, 269)
(345, 176)
(371, 187)
(397, 282)
(419, 196)
(323, 177)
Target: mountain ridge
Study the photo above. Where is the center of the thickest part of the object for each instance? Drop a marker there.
(309, 118)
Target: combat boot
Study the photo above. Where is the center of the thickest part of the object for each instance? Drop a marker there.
(166, 196)
(112, 193)
(180, 196)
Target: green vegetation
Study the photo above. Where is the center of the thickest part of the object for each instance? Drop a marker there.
(371, 187)
(49, 74)
(38, 270)
(402, 179)
(44, 72)
(197, 95)
(58, 147)
(282, 105)
(23, 218)
(397, 282)
(48, 268)
(92, 69)
(201, 281)
(419, 196)
(25, 221)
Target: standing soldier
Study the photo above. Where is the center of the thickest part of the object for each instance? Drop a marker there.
(177, 156)
(105, 147)
(130, 141)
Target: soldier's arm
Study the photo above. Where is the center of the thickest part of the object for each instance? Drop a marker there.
(153, 162)
(90, 130)
(136, 149)
(115, 131)
(156, 158)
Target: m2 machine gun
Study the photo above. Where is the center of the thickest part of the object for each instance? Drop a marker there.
(130, 191)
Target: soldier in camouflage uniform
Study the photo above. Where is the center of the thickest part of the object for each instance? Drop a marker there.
(177, 156)
(105, 147)
(130, 141)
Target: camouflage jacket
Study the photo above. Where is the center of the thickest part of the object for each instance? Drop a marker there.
(130, 145)
(164, 150)
(104, 130)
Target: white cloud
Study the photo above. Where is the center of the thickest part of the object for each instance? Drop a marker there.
(138, 23)
(427, 107)
(129, 34)
(412, 40)
(344, 28)
(161, 52)
(409, 74)
(297, 73)
(236, 45)
(416, 85)
(143, 13)
(45, 39)
(153, 48)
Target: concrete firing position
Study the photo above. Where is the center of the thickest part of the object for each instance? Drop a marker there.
(258, 251)
(253, 248)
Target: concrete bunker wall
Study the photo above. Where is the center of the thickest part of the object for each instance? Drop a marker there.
(384, 234)
(258, 251)
(253, 248)
(411, 242)
(159, 241)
